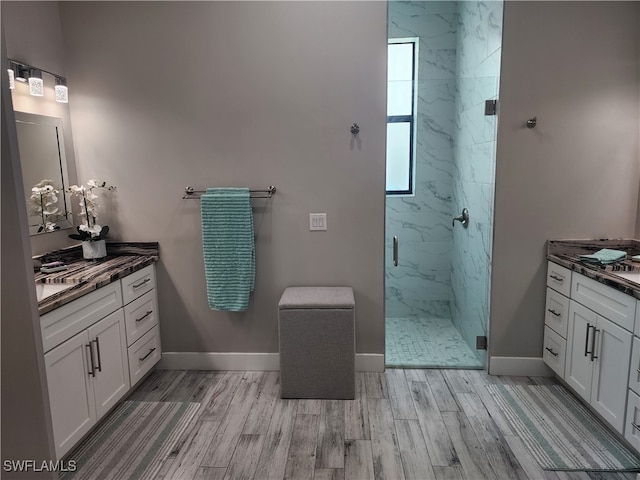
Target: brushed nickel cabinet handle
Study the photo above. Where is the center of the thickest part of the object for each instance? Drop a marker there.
(144, 316)
(99, 367)
(150, 352)
(138, 285)
(553, 312)
(586, 341)
(551, 351)
(556, 278)
(593, 344)
(93, 368)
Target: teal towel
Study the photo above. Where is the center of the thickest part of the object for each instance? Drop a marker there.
(228, 247)
(604, 256)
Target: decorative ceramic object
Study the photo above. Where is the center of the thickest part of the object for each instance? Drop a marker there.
(95, 249)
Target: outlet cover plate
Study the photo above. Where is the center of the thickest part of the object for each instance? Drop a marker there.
(317, 221)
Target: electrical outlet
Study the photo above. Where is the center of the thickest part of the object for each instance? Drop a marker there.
(317, 221)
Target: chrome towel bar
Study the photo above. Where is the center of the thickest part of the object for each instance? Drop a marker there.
(190, 193)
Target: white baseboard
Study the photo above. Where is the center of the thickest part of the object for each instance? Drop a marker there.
(365, 362)
(519, 366)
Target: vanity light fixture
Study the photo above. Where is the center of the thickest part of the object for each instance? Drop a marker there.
(62, 92)
(36, 85)
(28, 74)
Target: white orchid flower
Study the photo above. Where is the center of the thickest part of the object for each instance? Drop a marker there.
(43, 202)
(89, 206)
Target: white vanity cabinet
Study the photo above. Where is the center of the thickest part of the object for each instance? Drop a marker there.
(597, 322)
(87, 355)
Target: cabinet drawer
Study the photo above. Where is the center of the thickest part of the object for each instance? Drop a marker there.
(631, 433)
(140, 315)
(556, 312)
(554, 351)
(559, 278)
(634, 370)
(138, 283)
(70, 319)
(606, 301)
(144, 354)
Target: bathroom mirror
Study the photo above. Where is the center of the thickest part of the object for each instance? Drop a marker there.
(41, 146)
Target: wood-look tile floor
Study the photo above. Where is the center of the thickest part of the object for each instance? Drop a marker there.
(403, 424)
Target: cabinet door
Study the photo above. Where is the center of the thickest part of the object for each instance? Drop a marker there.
(578, 365)
(109, 348)
(611, 372)
(632, 427)
(71, 396)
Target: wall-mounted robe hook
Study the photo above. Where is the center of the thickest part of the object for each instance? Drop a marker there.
(532, 122)
(355, 129)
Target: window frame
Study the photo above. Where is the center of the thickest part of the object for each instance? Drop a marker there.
(411, 118)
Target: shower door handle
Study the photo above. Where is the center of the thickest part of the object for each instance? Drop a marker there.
(395, 251)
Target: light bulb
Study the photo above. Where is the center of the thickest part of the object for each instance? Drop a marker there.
(12, 78)
(62, 92)
(36, 85)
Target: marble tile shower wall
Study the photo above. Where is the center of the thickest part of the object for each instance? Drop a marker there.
(479, 46)
(421, 284)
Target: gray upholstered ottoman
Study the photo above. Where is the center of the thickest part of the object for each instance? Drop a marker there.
(317, 342)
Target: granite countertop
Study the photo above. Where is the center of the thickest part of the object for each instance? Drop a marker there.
(86, 276)
(566, 253)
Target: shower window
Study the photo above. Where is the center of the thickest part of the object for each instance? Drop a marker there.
(401, 115)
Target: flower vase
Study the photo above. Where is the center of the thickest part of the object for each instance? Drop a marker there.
(94, 249)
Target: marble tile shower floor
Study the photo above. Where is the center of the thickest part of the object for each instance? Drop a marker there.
(426, 343)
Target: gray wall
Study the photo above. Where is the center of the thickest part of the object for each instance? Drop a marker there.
(170, 94)
(26, 432)
(575, 66)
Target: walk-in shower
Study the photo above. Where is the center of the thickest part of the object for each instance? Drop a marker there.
(443, 77)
